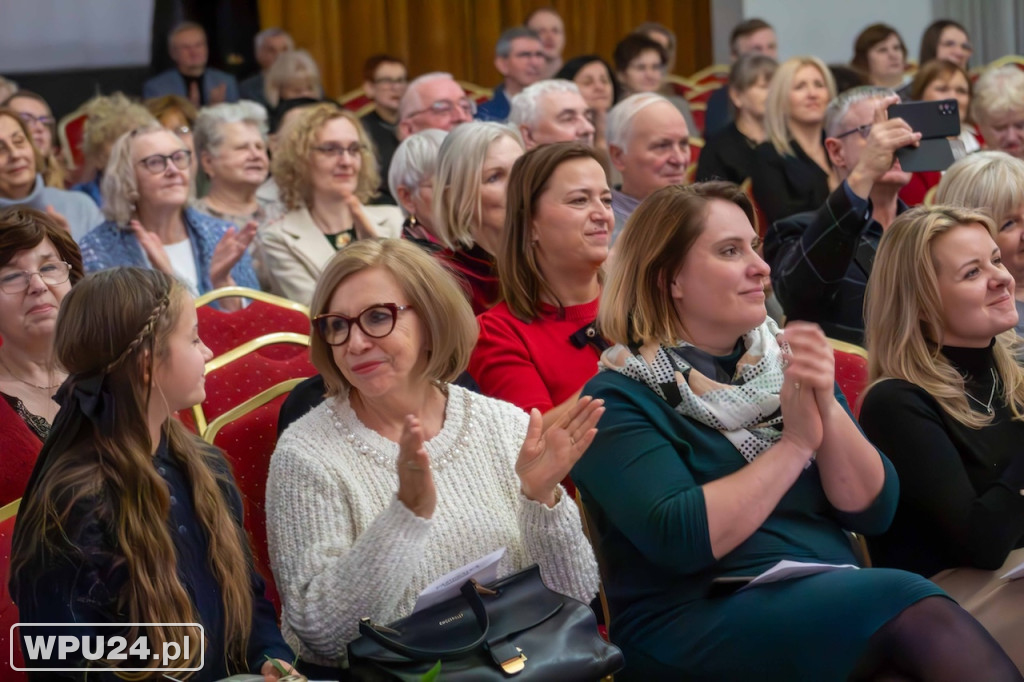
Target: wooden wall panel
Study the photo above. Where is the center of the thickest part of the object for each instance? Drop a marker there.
(459, 35)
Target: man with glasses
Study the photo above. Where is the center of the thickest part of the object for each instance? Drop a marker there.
(434, 100)
(519, 58)
(821, 259)
(384, 81)
(552, 111)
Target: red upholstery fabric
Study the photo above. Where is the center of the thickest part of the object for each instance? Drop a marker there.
(242, 379)
(8, 610)
(222, 331)
(248, 442)
(71, 131)
(696, 145)
(701, 94)
(852, 377)
(699, 112)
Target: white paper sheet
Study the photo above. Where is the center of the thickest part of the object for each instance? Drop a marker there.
(484, 570)
(787, 570)
(1015, 573)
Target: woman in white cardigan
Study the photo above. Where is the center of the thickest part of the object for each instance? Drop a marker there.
(400, 477)
(325, 168)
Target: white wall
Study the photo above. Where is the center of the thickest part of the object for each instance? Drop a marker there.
(42, 35)
(827, 28)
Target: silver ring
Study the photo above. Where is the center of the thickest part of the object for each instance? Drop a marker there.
(796, 385)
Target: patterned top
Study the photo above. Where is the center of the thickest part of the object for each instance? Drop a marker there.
(110, 245)
(38, 425)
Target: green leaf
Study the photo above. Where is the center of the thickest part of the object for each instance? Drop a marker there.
(432, 674)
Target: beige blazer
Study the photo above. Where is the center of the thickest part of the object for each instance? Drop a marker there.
(295, 251)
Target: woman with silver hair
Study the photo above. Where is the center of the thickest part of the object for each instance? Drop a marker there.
(149, 224)
(411, 181)
(998, 109)
(231, 143)
(293, 74)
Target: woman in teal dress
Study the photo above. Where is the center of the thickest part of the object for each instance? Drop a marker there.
(693, 486)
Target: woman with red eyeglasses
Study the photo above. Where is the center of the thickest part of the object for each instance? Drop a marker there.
(399, 476)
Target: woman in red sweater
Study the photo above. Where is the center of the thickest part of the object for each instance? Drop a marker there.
(538, 346)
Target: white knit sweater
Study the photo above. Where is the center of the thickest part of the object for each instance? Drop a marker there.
(343, 547)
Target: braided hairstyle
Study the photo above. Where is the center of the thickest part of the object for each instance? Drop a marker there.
(116, 323)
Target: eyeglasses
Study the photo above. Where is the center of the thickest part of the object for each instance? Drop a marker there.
(41, 120)
(157, 163)
(446, 107)
(377, 321)
(390, 81)
(337, 150)
(864, 131)
(50, 273)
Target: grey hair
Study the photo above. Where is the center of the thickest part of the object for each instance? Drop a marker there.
(525, 105)
(411, 99)
(182, 27)
(839, 107)
(208, 131)
(120, 187)
(415, 160)
(457, 180)
(8, 88)
(621, 116)
(272, 32)
(998, 91)
(503, 48)
(292, 65)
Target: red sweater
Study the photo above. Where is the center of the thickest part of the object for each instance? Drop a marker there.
(533, 364)
(477, 275)
(20, 448)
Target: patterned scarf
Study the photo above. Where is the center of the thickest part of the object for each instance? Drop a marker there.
(744, 407)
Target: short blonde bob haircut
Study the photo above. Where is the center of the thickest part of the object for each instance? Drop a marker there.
(903, 315)
(292, 165)
(457, 182)
(294, 67)
(776, 109)
(636, 306)
(430, 288)
(998, 92)
(120, 185)
(987, 181)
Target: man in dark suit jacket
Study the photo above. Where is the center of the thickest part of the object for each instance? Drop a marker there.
(191, 79)
(270, 44)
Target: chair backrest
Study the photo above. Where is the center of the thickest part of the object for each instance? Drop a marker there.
(248, 434)
(851, 371)
(716, 74)
(71, 133)
(585, 520)
(221, 331)
(243, 372)
(8, 609)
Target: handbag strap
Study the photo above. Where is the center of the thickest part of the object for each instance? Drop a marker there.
(469, 591)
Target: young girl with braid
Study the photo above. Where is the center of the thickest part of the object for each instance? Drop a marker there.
(128, 517)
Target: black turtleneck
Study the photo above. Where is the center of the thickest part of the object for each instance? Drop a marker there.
(961, 489)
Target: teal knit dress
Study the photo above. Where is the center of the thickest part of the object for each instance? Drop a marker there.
(641, 483)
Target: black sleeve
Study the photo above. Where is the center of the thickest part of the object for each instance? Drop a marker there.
(771, 186)
(809, 259)
(981, 528)
(717, 115)
(710, 164)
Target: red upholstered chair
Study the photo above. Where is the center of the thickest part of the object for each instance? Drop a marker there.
(8, 610)
(696, 145)
(477, 93)
(699, 111)
(851, 371)
(701, 94)
(221, 331)
(681, 85)
(71, 132)
(356, 100)
(715, 75)
(247, 434)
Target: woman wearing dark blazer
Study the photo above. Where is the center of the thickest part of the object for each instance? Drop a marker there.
(792, 174)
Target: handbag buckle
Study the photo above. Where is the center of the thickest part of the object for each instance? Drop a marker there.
(514, 665)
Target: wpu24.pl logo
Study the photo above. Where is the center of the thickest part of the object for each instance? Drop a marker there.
(70, 647)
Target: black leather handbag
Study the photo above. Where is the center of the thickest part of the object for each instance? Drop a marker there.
(514, 628)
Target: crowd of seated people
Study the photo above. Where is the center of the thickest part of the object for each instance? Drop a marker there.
(517, 299)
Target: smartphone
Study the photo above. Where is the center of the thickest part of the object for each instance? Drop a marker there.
(932, 119)
(937, 122)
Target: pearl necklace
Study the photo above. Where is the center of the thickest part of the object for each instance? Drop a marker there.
(987, 406)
